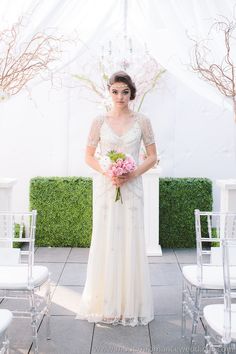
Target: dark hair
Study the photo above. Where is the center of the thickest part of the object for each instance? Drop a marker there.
(122, 76)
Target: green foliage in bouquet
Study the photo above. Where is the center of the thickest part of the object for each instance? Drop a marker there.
(179, 197)
(64, 207)
(114, 155)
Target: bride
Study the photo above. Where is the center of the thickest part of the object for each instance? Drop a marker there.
(117, 288)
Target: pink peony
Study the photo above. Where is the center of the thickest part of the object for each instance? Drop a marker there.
(118, 166)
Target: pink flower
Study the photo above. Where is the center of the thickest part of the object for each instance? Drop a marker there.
(117, 166)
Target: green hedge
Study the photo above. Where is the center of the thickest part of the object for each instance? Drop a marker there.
(178, 199)
(64, 208)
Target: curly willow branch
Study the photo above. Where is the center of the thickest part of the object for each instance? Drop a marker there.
(221, 75)
(21, 62)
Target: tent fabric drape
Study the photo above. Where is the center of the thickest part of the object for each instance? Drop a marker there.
(163, 25)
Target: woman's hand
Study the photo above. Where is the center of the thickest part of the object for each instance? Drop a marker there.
(120, 180)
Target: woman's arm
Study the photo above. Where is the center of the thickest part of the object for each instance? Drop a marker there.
(149, 162)
(92, 143)
(91, 160)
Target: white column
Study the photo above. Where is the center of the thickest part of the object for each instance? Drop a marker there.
(227, 204)
(227, 194)
(6, 186)
(151, 211)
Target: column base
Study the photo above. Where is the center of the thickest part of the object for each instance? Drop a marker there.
(154, 251)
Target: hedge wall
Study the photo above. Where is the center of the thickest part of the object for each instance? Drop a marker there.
(178, 199)
(64, 208)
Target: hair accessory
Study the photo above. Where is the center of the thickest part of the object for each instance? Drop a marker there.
(121, 86)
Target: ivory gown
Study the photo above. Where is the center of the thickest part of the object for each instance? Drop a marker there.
(117, 288)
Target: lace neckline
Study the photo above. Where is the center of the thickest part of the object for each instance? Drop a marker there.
(133, 114)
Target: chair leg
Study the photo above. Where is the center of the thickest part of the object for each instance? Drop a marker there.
(34, 322)
(183, 317)
(48, 310)
(6, 344)
(225, 349)
(196, 314)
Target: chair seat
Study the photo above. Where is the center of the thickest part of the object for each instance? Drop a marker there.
(214, 316)
(16, 277)
(212, 276)
(5, 319)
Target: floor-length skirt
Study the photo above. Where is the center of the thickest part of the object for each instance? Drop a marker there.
(117, 288)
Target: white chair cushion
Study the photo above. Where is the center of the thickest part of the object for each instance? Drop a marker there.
(16, 277)
(5, 320)
(212, 276)
(214, 316)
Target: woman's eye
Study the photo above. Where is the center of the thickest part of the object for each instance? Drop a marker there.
(114, 91)
(126, 92)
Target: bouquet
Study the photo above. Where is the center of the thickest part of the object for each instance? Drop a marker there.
(116, 164)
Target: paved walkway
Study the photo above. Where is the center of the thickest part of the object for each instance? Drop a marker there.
(70, 336)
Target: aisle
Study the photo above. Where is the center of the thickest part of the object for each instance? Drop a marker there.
(70, 336)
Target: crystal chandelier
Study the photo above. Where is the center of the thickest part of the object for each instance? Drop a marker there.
(121, 52)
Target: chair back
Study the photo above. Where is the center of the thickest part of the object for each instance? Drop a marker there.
(211, 228)
(17, 229)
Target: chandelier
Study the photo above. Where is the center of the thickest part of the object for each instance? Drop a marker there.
(121, 52)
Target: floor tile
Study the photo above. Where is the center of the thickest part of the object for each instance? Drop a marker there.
(20, 336)
(52, 254)
(120, 339)
(165, 274)
(167, 299)
(73, 274)
(186, 255)
(79, 255)
(68, 336)
(166, 337)
(65, 300)
(55, 270)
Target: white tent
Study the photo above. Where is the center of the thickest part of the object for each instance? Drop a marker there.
(44, 133)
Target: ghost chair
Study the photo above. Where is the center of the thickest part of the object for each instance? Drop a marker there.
(5, 321)
(20, 279)
(220, 319)
(203, 282)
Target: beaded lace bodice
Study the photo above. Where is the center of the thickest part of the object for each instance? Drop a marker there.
(129, 142)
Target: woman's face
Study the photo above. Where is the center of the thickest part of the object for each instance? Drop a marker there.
(120, 94)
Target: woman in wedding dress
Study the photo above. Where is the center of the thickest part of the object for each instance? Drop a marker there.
(117, 288)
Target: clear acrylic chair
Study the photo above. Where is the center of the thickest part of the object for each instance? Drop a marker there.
(220, 319)
(5, 321)
(20, 278)
(204, 281)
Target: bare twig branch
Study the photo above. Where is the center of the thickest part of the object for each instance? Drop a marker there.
(221, 75)
(21, 62)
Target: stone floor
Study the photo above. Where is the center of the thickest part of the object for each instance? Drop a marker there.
(70, 336)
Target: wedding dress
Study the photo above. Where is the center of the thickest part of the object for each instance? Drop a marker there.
(117, 288)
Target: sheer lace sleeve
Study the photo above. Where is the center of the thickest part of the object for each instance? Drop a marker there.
(94, 133)
(147, 131)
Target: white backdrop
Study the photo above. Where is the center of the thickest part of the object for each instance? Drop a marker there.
(46, 135)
